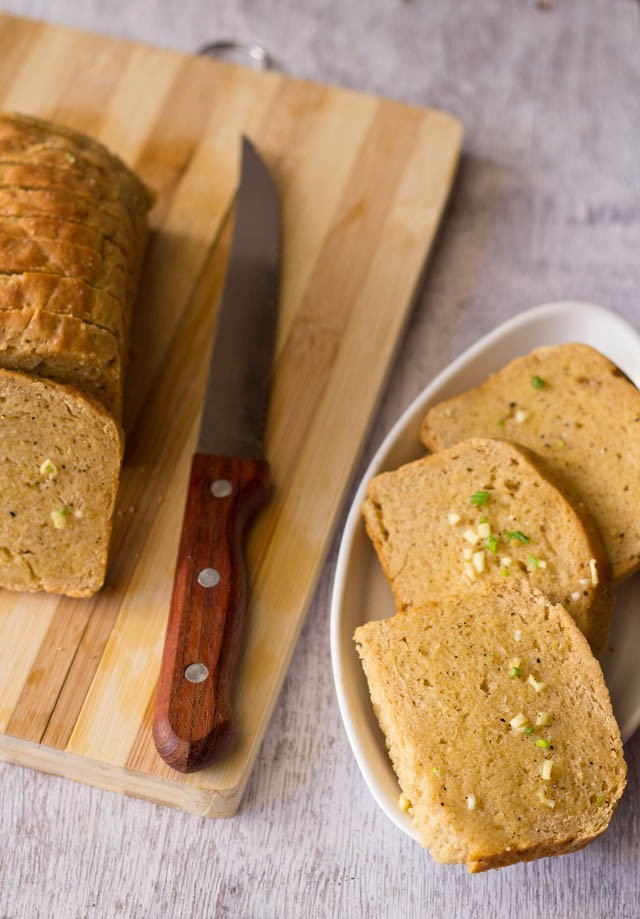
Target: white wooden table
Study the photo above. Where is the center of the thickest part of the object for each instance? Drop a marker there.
(547, 207)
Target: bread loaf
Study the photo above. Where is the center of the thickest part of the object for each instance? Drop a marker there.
(581, 414)
(72, 236)
(498, 723)
(483, 511)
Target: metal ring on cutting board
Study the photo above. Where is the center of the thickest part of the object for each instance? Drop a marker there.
(256, 54)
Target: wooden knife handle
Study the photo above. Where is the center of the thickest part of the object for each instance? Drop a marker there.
(193, 722)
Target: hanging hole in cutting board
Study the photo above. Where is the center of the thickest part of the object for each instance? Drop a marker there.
(237, 52)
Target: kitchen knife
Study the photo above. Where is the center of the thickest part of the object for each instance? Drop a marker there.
(193, 721)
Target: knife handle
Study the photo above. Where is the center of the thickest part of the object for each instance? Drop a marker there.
(193, 720)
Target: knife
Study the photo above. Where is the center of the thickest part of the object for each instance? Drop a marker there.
(229, 483)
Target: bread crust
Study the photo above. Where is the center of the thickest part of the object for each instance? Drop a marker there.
(34, 291)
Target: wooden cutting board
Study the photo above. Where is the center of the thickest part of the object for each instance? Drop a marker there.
(363, 182)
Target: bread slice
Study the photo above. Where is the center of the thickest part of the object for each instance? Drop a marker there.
(76, 175)
(45, 143)
(34, 291)
(60, 455)
(484, 511)
(495, 768)
(65, 349)
(19, 253)
(577, 410)
(51, 228)
(64, 205)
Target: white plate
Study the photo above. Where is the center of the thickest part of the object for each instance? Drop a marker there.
(360, 592)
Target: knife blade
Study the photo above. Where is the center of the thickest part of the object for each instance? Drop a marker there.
(229, 482)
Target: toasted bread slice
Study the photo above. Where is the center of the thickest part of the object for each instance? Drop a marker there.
(581, 414)
(495, 768)
(484, 511)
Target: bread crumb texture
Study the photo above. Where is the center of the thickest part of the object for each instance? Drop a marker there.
(493, 771)
(484, 511)
(582, 417)
(60, 456)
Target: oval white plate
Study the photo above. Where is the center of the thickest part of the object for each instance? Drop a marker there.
(360, 592)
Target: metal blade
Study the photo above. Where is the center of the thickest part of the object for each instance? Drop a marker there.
(237, 392)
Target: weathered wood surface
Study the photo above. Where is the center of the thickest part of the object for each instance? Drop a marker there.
(547, 206)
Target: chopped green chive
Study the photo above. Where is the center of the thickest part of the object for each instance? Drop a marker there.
(437, 770)
(599, 800)
(514, 672)
(484, 520)
(528, 730)
(491, 543)
(504, 572)
(516, 534)
(501, 423)
(537, 382)
(479, 498)
(64, 512)
(533, 561)
(541, 742)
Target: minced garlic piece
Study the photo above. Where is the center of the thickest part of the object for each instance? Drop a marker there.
(49, 469)
(576, 595)
(453, 519)
(60, 518)
(544, 800)
(521, 415)
(471, 802)
(536, 685)
(584, 582)
(471, 536)
(505, 561)
(542, 563)
(517, 634)
(543, 719)
(518, 722)
(484, 530)
(545, 772)
(478, 561)
(515, 662)
(467, 553)
(594, 572)
(404, 804)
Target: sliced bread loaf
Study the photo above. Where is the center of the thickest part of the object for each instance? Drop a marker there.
(577, 410)
(498, 723)
(60, 456)
(484, 511)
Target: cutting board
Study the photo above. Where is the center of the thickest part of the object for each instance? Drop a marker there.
(363, 183)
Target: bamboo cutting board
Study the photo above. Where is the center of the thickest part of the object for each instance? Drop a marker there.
(363, 183)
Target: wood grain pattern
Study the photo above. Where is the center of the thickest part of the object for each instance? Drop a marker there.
(363, 183)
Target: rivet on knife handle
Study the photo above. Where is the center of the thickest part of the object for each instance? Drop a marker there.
(193, 721)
